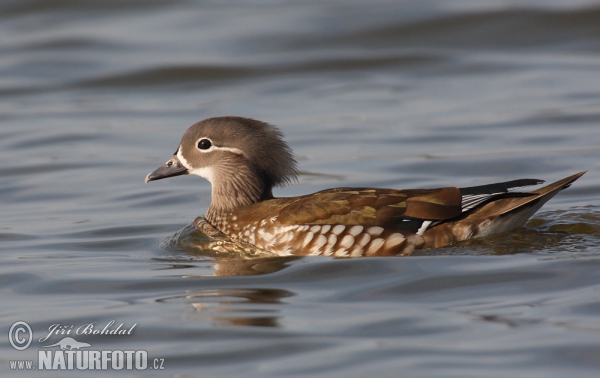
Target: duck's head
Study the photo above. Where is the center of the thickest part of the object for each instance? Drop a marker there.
(241, 157)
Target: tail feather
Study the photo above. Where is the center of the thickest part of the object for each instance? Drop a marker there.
(559, 185)
(500, 187)
(499, 215)
(475, 196)
(539, 196)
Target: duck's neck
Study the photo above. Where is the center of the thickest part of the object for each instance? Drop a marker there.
(234, 189)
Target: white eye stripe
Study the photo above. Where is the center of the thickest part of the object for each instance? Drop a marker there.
(230, 149)
(213, 147)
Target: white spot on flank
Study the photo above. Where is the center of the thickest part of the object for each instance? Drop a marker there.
(363, 240)
(315, 229)
(332, 240)
(266, 236)
(355, 230)
(375, 246)
(338, 229)
(307, 239)
(321, 240)
(341, 252)
(325, 229)
(285, 229)
(347, 241)
(286, 237)
(375, 231)
(394, 240)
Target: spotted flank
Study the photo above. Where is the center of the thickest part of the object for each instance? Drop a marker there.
(244, 159)
(325, 240)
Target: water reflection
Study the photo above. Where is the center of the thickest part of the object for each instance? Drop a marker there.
(202, 257)
(224, 266)
(235, 306)
(251, 267)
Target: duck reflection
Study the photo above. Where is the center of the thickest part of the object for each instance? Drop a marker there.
(199, 256)
(238, 267)
(236, 306)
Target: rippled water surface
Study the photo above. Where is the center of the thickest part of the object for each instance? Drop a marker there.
(408, 94)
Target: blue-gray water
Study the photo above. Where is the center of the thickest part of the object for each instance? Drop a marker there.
(411, 94)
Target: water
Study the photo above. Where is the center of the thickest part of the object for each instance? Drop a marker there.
(413, 94)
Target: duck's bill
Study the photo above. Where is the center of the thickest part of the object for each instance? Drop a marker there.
(171, 168)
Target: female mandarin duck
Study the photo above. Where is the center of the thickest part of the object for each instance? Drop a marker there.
(244, 159)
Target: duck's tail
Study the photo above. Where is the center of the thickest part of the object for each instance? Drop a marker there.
(501, 214)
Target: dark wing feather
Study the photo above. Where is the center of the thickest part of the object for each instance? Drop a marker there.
(474, 196)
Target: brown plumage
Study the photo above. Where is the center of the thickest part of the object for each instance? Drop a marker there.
(237, 155)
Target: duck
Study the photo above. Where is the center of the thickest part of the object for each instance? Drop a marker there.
(244, 159)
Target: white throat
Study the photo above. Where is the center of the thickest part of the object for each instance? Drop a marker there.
(204, 172)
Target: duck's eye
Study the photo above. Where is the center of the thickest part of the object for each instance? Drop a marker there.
(204, 144)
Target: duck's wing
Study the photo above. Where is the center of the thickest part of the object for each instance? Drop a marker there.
(387, 208)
